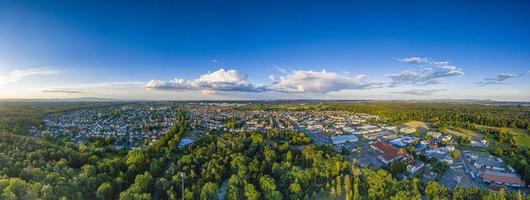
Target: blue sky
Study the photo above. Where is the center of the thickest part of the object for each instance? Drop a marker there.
(265, 49)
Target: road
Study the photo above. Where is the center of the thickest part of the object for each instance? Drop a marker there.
(318, 138)
(471, 169)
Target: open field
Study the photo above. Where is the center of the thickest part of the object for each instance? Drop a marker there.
(523, 139)
(417, 124)
(522, 136)
(463, 132)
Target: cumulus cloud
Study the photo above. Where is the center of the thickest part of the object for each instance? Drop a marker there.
(428, 72)
(499, 79)
(17, 75)
(420, 92)
(319, 82)
(220, 80)
(171, 84)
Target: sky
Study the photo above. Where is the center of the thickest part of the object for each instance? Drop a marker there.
(253, 50)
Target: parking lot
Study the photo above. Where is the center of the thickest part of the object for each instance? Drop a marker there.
(318, 137)
(367, 157)
(457, 177)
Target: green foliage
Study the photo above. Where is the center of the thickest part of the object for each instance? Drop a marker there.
(464, 140)
(455, 155)
(52, 169)
(380, 184)
(232, 123)
(268, 186)
(299, 139)
(397, 167)
(104, 191)
(252, 165)
(250, 192)
(435, 191)
(209, 191)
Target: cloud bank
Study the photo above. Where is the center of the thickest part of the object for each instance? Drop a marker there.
(319, 82)
(427, 72)
(420, 92)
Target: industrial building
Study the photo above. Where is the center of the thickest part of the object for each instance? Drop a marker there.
(501, 178)
(343, 139)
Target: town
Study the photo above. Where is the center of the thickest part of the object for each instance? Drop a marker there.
(411, 149)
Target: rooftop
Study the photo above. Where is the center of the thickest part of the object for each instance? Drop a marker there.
(389, 152)
(501, 177)
(343, 138)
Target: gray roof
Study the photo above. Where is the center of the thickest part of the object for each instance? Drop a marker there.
(343, 138)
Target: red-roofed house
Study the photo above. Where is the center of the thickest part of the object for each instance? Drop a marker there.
(501, 178)
(389, 153)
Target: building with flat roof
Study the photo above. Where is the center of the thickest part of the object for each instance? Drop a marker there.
(403, 141)
(501, 178)
(489, 163)
(343, 139)
(375, 135)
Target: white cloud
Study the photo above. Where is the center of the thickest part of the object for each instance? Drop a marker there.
(220, 80)
(282, 70)
(223, 76)
(63, 91)
(421, 92)
(319, 82)
(171, 84)
(429, 72)
(414, 60)
(500, 78)
(17, 75)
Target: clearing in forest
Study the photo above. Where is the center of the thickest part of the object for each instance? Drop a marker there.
(418, 125)
(464, 132)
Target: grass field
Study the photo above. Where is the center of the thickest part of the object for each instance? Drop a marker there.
(463, 132)
(523, 139)
(521, 135)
